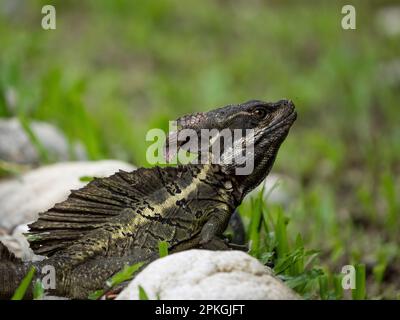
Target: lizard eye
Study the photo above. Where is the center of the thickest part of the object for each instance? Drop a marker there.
(260, 113)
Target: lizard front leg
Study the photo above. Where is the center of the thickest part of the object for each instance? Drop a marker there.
(210, 236)
(211, 233)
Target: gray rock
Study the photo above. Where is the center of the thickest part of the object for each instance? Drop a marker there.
(203, 274)
(278, 189)
(22, 198)
(17, 147)
(388, 20)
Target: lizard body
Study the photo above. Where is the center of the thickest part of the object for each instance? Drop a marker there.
(121, 219)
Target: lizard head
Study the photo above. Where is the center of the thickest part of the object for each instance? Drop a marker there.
(258, 127)
(270, 124)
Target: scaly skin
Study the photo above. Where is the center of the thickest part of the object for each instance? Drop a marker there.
(121, 219)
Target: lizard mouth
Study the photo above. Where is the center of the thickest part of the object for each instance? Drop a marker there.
(287, 120)
(291, 117)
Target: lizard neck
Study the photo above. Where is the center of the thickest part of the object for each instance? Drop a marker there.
(263, 162)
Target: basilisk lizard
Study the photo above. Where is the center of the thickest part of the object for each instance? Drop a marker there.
(119, 220)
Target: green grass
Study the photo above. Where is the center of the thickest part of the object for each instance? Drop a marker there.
(38, 290)
(114, 69)
(142, 294)
(163, 249)
(125, 274)
(24, 285)
(299, 268)
(359, 293)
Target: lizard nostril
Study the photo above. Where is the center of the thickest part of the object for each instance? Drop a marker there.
(286, 103)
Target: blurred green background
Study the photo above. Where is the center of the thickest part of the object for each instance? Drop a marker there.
(114, 69)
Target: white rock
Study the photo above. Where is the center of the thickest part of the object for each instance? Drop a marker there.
(18, 244)
(203, 274)
(22, 198)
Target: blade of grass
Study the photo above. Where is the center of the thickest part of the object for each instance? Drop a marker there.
(95, 294)
(255, 224)
(359, 293)
(38, 290)
(41, 150)
(323, 287)
(24, 285)
(302, 280)
(389, 191)
(142, 294)
(281, 235)
(86, 178)
(298, 266)
(163, 249)
(337, 283)
(124, 275)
